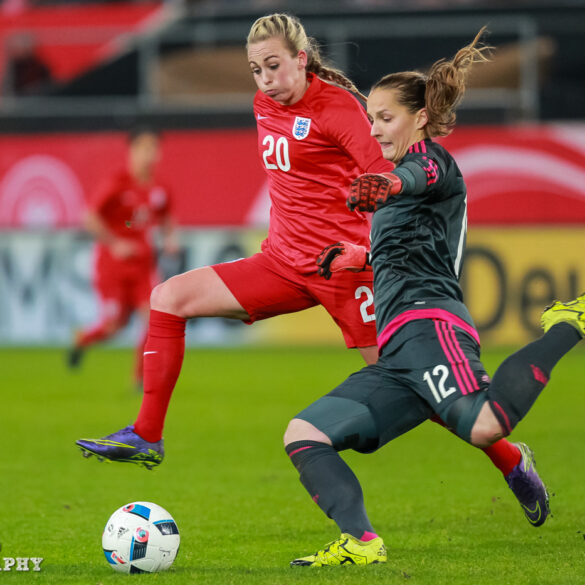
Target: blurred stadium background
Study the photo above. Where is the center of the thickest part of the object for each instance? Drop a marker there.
(76, 75)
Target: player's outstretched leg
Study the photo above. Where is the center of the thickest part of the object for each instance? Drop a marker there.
(521, 377)
(528, 488)
(333, 486)
(572, 312)
(515, 387)
(142, 442)
(346, 550)
(124, 446)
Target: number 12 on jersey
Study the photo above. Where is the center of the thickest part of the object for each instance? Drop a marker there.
(441, 372)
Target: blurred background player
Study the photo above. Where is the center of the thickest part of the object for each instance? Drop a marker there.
(121, 217)
(429, 349)
(313, 139)
(26, 73)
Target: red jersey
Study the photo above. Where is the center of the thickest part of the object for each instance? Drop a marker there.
(130, 209)
(311, 152)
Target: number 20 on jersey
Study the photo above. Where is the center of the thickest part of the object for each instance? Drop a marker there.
(275, 153)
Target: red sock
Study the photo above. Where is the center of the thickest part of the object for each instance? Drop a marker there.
(163, 358)
(92, 335)
(504, 455)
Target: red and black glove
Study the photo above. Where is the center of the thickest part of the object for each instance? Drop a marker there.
(341, 256)
(370, 191)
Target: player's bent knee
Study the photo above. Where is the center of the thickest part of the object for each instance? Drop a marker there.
(487, 429)
(164, 297)
(158, 297)
(484, 437)
(301, 430)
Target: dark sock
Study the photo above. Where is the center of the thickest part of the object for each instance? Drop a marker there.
(332, 485)
(520, 378)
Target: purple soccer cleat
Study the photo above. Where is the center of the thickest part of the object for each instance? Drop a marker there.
(528, 488)
(124, 446)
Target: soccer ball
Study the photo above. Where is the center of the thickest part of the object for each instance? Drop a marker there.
(141, 537)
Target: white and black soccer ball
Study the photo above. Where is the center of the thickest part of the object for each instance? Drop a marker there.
(141, 537)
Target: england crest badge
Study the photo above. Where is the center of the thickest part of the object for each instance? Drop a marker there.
(301, 127)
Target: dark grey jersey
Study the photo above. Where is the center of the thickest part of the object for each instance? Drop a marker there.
(418, 238)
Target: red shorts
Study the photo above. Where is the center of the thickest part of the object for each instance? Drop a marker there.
(122, 291)
(266, 288)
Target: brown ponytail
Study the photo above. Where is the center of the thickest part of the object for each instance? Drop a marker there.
(446, 86)
(441, 90)
(292, 32)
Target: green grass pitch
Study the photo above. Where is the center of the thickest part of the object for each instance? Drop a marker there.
(446, 515)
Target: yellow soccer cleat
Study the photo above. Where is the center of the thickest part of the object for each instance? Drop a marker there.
(346, 550)
(572, 312)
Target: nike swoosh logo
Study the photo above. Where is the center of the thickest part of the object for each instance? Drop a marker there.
(536, 510)
(147, 352)
(259, 117)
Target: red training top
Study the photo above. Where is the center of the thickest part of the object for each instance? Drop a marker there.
(130, 209)
(311, 151)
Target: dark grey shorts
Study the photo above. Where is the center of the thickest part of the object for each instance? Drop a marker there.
(426, 366)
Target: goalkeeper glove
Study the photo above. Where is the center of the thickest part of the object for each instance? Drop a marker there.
(342, 256)
(370, 191)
